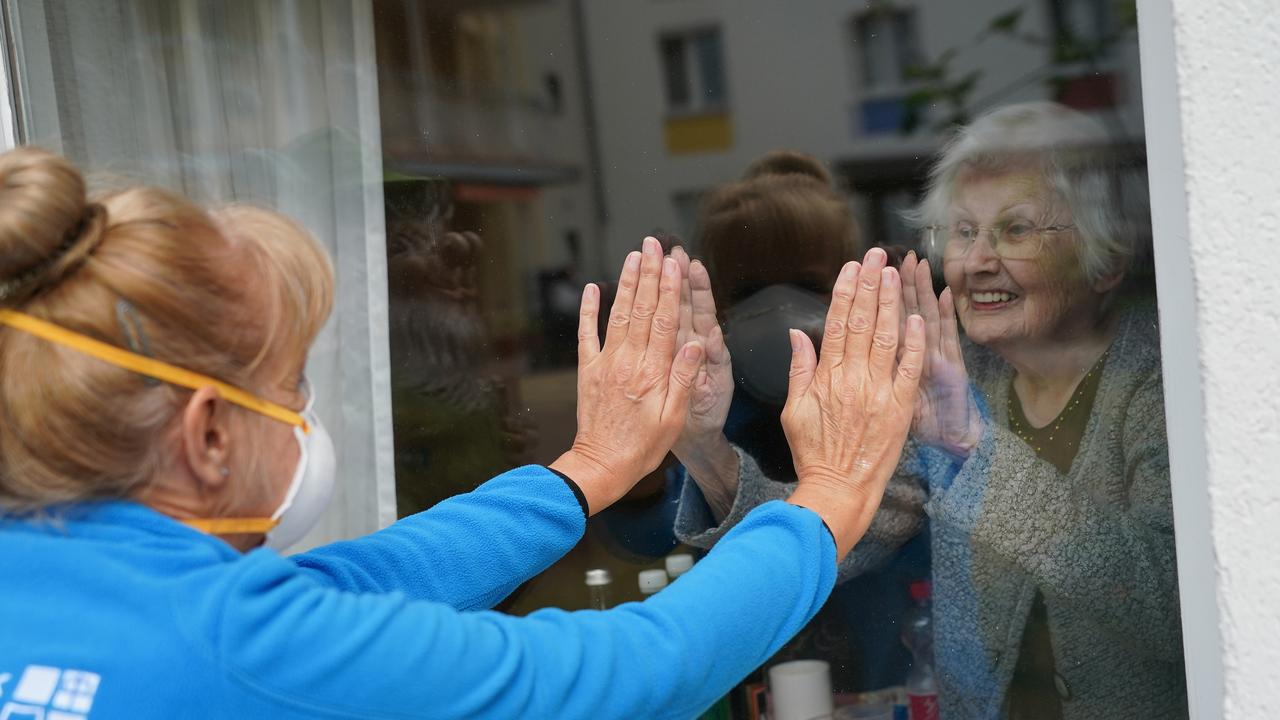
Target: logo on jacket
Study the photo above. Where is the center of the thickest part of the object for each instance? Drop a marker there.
(50, 693)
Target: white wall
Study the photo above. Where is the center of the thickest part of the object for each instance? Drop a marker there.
(1212, 130)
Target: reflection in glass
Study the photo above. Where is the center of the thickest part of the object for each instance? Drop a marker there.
(1002, 145)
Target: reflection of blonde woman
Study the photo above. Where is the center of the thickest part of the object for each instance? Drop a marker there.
(1052, 529)
(157, 430)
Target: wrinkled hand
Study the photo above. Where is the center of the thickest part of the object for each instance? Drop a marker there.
(848, 412)
(702, 446)
(633, 394)
(713, 388)
(946, 415)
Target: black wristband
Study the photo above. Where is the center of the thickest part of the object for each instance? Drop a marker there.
(577, 491)
(833, 535)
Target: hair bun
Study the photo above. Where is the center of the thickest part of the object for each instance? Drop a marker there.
(787, 162)
(47, 226)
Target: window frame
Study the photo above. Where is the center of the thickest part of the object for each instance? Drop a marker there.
(863, 86)
(1202, 640)
(697, 105)
(1203, 643)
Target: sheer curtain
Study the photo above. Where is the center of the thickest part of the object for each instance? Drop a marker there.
(273, 103)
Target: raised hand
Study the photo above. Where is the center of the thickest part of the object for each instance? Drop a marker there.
(633, 393)
(848, 412)
(702, 447)
(946, 415)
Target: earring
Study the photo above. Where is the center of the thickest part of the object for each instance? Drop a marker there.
(225, 471)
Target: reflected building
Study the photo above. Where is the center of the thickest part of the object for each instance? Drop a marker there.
(688, 93)
(482, 120)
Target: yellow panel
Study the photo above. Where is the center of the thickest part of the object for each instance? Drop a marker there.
(699, 133)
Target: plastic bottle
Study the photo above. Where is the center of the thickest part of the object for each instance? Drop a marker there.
(917, 635)
(651, 581)
(598, 584)
(678, 564)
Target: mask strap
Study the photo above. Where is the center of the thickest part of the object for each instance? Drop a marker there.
(232, 526)
(148, 367)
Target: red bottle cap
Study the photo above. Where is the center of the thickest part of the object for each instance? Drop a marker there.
(920, 590)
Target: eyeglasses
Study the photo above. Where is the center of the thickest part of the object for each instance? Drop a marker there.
(1012, 240)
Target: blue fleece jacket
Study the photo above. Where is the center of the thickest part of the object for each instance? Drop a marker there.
(111, 610)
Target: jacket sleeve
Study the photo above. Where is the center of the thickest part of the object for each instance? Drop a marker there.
(1111, 556)
(900, 517)
(317, 651)
(469, 551)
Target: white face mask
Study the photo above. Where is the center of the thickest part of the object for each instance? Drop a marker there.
(312, 485)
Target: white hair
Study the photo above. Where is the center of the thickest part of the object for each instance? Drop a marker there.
(1080, 163)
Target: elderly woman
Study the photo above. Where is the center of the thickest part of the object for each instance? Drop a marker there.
(158, 432)
(1040, 439)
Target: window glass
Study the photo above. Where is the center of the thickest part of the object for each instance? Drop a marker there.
(472, 165)
(710, 66)
(676, 65)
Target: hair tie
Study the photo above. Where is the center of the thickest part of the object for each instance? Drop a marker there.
(76, 247)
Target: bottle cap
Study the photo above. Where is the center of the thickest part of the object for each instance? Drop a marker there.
(920, 590)
(679, 564)
(598, 577)
(651, 581)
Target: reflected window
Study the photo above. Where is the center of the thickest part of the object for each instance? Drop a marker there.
(886, 40)
(885, 44)
(693, 68)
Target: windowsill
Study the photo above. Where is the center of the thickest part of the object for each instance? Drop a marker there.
(886, 92)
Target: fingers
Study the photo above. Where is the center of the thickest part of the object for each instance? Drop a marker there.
(862, 316)
(666, 321)
(911, 366)
(949, 328)
(884, 342)
(686, 295)
(928, 308)
(683, 372)
(717, 351)
(620, 314)
(646, 299)
(704, 303)
(804, 363)
(588, 324)
(910, 304)
(833, 334)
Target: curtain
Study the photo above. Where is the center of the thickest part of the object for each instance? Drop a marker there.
(269, 102)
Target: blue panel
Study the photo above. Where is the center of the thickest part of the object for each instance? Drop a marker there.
(882, 116)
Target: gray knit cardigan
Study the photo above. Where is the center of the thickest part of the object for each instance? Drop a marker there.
(1097, 541)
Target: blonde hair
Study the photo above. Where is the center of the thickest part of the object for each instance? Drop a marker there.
(218, 292)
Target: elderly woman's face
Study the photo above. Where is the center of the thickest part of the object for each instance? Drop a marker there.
(1001, 300)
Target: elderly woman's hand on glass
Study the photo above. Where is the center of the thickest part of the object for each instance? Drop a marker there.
(946, 414)
(702, 446)
(848, 412)
(633, 392)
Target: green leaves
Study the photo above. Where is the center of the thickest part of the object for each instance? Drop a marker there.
(1006, 22)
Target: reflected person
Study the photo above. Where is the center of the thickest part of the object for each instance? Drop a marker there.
(160, 447)
(451, 411)
(772, 243)
(1039, 436)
